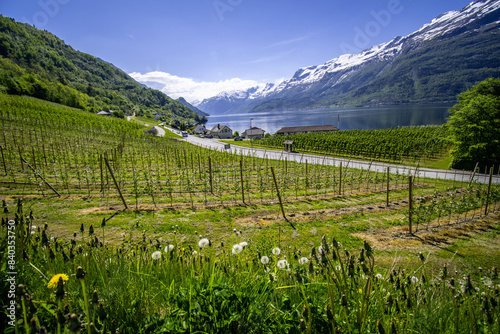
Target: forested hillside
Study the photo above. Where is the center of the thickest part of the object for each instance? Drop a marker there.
(37, 63)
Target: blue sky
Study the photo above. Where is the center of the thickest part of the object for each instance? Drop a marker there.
(197, 48)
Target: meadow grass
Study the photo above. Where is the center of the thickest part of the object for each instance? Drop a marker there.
(142, 285)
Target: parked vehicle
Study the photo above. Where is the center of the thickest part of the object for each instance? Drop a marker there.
(238, 139)
(184, 134)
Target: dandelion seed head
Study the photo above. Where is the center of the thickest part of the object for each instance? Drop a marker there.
(414, 280)
(169, 248)
(243, 244)
(203, 242)
(379, 276)
(156, 255)
(303, 260)
(276, 251)
(264, 260)
(282, 264)
(195, 253)
(237, 249)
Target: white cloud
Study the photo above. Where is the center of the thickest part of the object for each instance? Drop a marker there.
(188, 88)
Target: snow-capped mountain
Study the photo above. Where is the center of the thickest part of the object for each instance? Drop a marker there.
(414, 68)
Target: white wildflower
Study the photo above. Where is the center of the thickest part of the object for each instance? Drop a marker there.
(276, 251)
(282, 264)
(169, 248)
(379, 276)
(203, 242)
(195, 253)
(414, 280)
(237, 249)
(303, 260)
(156, 255)
(243, 244)
(264, 260)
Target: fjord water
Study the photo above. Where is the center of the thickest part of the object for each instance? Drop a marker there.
(346, 119)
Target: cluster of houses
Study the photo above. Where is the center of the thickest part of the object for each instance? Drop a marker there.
(224, 132)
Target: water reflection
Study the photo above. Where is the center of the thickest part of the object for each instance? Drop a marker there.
(345, 119)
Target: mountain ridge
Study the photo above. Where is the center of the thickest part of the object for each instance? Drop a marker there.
(369, 77)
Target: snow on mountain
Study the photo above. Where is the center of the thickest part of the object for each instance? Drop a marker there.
(449, 21)
(347, 64)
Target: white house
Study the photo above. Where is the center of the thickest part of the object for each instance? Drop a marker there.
(221, 132)
(199, 129)
(253, 133)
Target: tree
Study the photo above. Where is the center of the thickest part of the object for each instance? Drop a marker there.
(474, 126)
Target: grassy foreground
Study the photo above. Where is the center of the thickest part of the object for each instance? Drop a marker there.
(81, 284)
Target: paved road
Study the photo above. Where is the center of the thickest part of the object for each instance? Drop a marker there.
(161, 131)
(458, 175)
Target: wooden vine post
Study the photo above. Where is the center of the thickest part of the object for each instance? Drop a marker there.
(40, 176)
(279, 198)
(102, 173)
(116, 183)
(388, 186)
(340, 179)
(473, 174)
(489, 190)
(3, 161)
(242, 182)
(210, 174)
(410, 203)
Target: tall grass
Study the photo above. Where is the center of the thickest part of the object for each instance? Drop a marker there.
(148, 287)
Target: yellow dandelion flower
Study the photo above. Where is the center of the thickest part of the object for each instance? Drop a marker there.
(55, 279)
